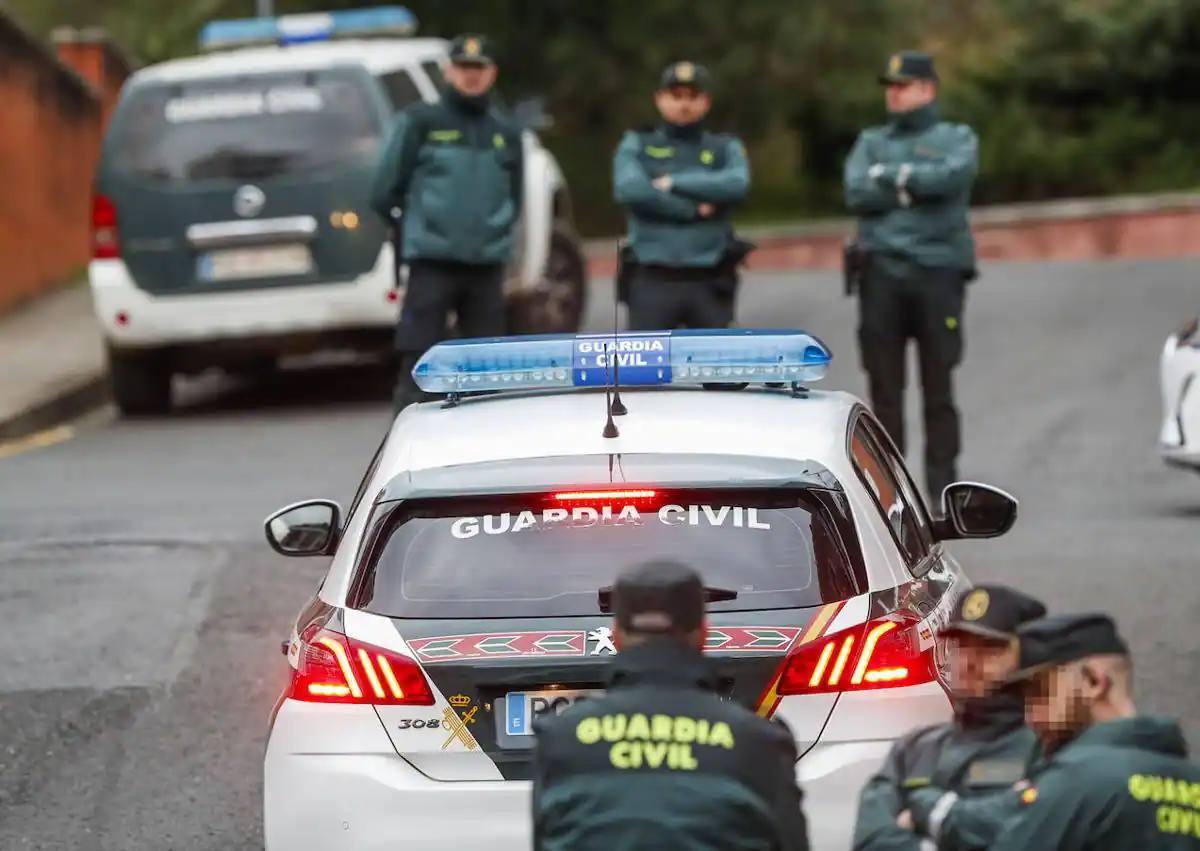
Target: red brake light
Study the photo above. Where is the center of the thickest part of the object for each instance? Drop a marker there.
(105, 242)
(882, 653)
(615, 495)
(335, 669)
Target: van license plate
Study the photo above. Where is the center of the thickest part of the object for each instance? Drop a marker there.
(522, 707)
(272, 261)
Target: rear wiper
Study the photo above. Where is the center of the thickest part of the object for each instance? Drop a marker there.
(711, 595)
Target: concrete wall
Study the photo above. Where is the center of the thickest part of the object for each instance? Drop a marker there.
(52, 127)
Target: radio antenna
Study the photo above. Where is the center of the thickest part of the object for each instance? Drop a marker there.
(610, 427)
(618, 407)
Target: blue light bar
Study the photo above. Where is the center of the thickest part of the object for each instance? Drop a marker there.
(318, 26)
(731, 356)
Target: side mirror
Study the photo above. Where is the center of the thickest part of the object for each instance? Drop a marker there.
(531, 114)
(974, 510)
(310, 528)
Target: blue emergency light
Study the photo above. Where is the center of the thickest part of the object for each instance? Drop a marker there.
(318, 26)
(732, 356)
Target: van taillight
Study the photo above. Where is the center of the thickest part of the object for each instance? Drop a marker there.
(335, 669)
(883, 653)
(105, 242)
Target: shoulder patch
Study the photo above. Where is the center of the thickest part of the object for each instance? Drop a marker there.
(1029, 795)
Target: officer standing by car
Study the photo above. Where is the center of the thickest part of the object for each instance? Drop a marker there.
(1113, 779)
(909, 182)
(938, 782)
(678, 184)
(455, 169)
(661, 761)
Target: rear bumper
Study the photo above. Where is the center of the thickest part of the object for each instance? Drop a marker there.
(251, 315)
(362, 797)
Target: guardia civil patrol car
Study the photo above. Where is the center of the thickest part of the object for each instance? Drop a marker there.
(231, 223)
(1179, 438)
(470, 582)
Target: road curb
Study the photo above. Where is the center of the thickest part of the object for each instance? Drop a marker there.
(73, 400)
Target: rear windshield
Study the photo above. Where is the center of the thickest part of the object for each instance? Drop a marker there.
(542, 556)
(246, 127)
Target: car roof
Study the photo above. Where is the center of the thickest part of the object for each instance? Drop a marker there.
(377, 55)
(753, 422)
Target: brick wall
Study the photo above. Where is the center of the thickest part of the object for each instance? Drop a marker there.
(51, 135)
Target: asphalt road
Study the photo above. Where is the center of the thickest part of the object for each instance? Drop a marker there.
(145, 610)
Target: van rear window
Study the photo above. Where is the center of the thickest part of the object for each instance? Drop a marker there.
(246, 127)
(545, 556)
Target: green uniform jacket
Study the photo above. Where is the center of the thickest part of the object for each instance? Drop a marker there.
(915, 210)
(665, 228)
(661, 762)
(1123, 785)
(951, 777)
(455, 169)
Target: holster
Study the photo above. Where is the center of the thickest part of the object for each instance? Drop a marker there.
(856, 260)
(733, 258)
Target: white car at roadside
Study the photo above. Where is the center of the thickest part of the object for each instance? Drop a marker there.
(467, 592)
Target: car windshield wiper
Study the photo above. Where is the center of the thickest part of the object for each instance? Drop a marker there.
(711, 595)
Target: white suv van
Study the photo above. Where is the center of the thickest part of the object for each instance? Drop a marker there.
(231, 223)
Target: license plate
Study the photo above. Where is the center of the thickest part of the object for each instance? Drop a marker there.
(263, 262)
(522, 707)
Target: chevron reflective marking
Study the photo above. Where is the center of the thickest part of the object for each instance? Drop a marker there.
(563, 643)
(716, 639)
(497, 644)
(437, 648)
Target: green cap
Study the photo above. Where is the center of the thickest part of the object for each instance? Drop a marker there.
(909, 65)
(1061, 639)
(660, 596)
(685, 74)
(471, 49)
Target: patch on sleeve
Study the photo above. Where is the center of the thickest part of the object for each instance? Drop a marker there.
(1029, 795)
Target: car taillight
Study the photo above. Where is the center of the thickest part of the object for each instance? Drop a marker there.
(105, 243)
(882, 653)
(335, 669)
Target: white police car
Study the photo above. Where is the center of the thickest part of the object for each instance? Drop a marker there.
(1179, 438)
(469, 583)
(231, 225)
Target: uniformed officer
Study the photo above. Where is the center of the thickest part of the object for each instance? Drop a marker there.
(1114, 779)
(661, 761)
(935, 783)
(678, 184)
(455, 170)
(909, 183)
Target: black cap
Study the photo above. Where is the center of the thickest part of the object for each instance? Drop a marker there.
(1060, 639)
(685, 74)
(909, 65)
(993, 611)
(659, 596)
(471, 49)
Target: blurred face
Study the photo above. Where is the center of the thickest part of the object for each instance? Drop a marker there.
(978, 666)
(470, 78)
(1057, 705)
(905, 97)
(682, 104)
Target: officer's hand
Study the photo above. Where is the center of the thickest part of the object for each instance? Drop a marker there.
(905, 820)
(706, 209)
(663, 184)
(882, 173)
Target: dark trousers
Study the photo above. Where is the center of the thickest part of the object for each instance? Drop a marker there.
(666, 298)
(474, 293)
(927, 307)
